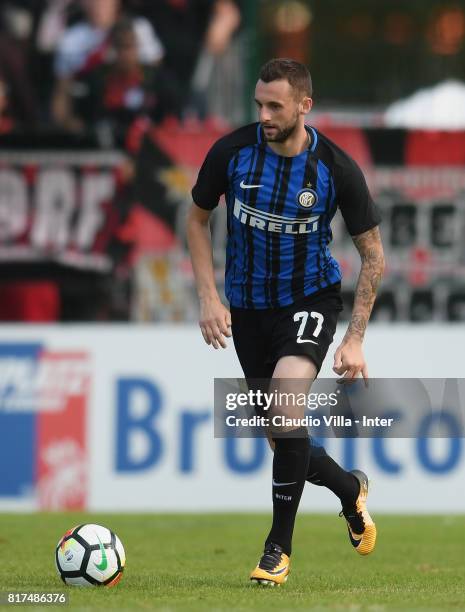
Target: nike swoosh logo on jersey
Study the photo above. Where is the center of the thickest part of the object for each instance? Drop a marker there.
(301, 341)
(282, 484)
(244, 186)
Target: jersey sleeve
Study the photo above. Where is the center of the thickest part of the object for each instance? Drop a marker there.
(212, 180)
(359, 211)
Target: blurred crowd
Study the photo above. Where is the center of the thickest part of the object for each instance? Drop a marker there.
(90, 74)
(78, 65)
(108, 107)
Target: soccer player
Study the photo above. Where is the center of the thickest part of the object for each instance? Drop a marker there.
(283, 182)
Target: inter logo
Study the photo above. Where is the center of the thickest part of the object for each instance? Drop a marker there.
(307, 197)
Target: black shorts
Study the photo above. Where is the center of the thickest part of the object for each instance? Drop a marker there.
(307, 327)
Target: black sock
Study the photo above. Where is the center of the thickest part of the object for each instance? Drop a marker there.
(325, 472)
(290, 467)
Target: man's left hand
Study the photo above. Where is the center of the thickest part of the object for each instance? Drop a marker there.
(349, 361)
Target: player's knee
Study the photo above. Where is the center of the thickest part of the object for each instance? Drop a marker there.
(286, 417)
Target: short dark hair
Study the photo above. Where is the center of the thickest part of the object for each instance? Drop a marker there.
(295, 73)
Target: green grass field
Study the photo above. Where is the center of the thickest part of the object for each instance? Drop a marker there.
(201, 562)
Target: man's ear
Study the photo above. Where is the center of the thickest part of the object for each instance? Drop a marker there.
(306, 105)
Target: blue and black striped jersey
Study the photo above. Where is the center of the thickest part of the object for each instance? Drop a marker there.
(279, 214)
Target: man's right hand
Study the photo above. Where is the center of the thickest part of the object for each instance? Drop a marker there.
(215, 322)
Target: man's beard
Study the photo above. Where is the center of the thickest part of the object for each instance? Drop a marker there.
(283, 134)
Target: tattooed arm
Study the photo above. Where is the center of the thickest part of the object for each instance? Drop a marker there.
(349, 359)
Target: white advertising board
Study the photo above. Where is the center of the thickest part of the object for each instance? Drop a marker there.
(146, 411)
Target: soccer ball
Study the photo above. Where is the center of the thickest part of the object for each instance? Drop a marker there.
(90, 555)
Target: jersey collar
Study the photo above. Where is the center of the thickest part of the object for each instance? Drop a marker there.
(313, 137)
